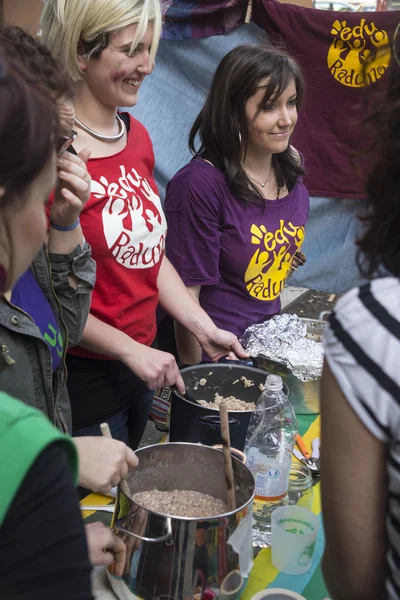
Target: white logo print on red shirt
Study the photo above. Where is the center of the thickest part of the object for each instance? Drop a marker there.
(133, 220)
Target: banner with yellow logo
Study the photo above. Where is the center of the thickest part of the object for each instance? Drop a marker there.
(344, 57)
(349, 56)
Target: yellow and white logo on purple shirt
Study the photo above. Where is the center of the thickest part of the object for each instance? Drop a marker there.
(270, 265)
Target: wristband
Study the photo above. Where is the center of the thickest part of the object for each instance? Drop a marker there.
(65, 228)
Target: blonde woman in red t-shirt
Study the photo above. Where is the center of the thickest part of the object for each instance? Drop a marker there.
(108, 47)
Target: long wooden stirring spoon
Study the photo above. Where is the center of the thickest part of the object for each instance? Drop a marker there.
(226, 450)
(105, 432)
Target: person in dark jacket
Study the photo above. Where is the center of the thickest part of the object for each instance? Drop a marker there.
(46, 310)
(43, 547)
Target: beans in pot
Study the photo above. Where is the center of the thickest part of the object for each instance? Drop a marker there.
(181, 503)
(232, 403)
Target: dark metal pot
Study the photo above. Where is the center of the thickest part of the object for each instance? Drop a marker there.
(191, 422)
(171, 558)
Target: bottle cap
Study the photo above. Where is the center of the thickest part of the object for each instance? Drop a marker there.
(274, 382)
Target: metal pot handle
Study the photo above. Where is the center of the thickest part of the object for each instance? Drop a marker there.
(98, 508)
(110, 509)
(323, 314)
(213, 421)
(278, 363)
(162, 538)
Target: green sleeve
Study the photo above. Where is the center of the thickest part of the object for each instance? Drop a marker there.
(24, 434)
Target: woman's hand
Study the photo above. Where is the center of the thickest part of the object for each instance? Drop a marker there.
(73, 188)
(299, 260)
(138, 525)
(105, 548)
(219, 343)
(155, 368)
(184, 307)
(103, 462)
(66, 115)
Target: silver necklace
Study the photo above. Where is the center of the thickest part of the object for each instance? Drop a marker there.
(99, 136)
(258, 182)
(263, 184)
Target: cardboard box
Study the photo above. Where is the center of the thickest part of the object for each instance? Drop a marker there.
(25, 13)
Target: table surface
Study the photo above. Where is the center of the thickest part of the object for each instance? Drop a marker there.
(264, 575)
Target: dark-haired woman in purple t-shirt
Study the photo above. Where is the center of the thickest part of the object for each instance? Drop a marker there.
(237, 212)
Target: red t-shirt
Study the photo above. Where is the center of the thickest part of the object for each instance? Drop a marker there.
(124, 223)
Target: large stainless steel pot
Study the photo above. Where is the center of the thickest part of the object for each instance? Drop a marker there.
(173, 558)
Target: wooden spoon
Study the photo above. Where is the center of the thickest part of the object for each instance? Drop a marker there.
(105, 432)
(226, 451)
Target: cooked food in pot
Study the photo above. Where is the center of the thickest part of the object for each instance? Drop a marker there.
(232, 403)
(181, 503)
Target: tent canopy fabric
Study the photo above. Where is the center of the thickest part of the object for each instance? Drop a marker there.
(185, 20)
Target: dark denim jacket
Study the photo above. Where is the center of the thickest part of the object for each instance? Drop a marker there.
(25, 359)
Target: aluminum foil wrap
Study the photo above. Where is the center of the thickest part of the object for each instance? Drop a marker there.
(283, 338)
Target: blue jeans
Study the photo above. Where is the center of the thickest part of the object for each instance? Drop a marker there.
(128, 425)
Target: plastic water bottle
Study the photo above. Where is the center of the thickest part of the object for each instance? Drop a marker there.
(268, 449)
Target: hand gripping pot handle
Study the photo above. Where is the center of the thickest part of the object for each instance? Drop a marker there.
(120, 528)
(162, 538)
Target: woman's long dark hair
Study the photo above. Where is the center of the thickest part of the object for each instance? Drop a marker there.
(222, 126)
(380, 243)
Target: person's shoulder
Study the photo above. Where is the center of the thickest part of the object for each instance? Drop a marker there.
(197, 182)
(362, 344)
(368, 314)
(374, 296)
(199, 172)
(15, 408)
(135, 126)
(18, 418)
(29, 431)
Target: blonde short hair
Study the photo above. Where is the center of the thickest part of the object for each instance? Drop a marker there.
(70, 27)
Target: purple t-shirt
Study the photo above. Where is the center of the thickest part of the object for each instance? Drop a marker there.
(28, 296)
(240, 254)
